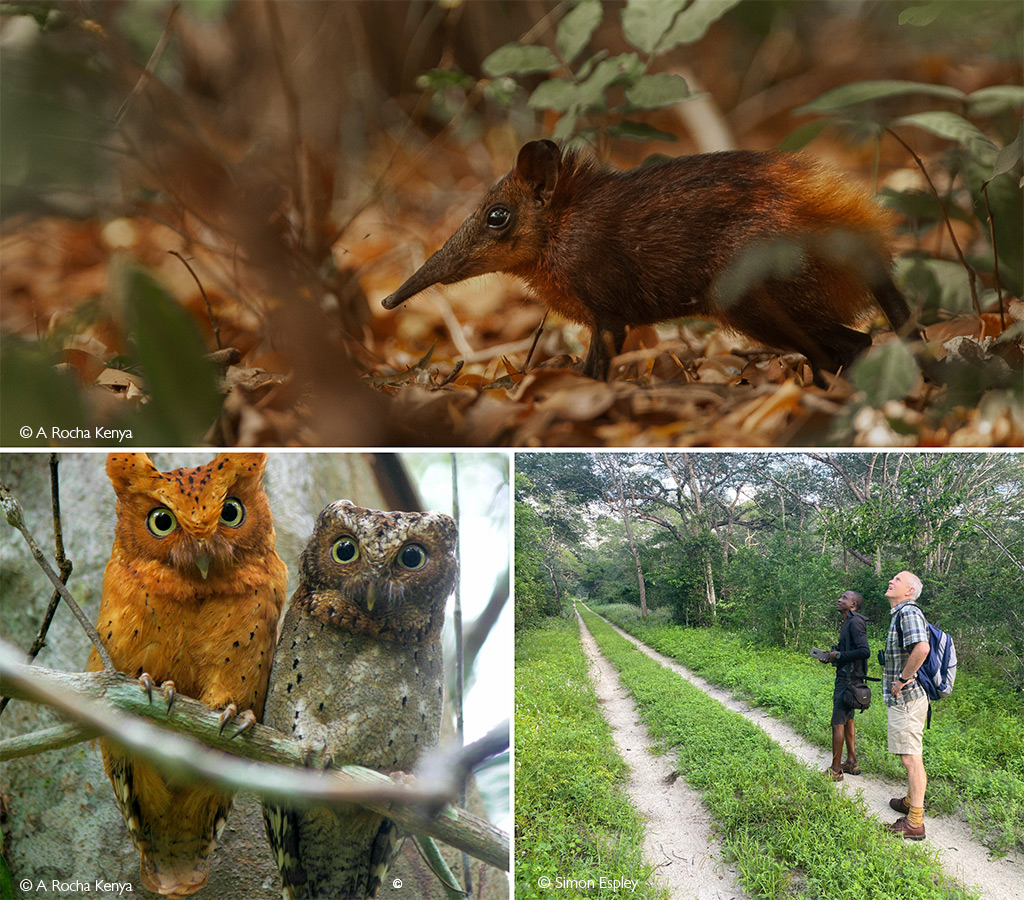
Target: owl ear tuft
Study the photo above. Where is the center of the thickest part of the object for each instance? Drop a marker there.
(244, 465)
(126, 469)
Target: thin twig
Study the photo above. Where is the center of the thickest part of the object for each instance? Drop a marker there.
(63, 565)
(972, 277)
(206, 300)
(16, 517)
(995, 255)
(154, 59)
(460, 725)
(300, 163)
(536, 339)
(436, 863)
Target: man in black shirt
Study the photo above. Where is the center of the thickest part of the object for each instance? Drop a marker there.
(849, 657)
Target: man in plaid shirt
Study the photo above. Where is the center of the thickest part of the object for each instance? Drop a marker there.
(905, 698)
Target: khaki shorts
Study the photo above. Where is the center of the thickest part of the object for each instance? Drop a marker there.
(906, 726)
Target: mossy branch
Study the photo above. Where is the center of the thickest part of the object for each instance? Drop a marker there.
(262, 760)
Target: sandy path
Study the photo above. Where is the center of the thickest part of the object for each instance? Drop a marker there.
(677, 831)
(960, 855)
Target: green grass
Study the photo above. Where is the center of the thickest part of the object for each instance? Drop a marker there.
(973, 752)
(574, 822)
(789, 831)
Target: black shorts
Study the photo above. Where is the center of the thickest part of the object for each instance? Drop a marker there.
(841, 714)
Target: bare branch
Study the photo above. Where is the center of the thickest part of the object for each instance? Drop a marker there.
(16, 517)
(278, 776)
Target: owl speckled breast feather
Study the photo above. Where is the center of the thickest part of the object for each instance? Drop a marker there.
(191, 595)
(358, 678)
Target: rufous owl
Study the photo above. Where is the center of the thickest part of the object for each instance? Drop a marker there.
(358, 677)
(192, 595)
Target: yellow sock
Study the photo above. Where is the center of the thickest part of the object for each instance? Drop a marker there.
(916, 816)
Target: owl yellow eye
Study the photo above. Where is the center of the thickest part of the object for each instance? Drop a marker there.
(413, 556)
(233, 513)
(161, 521)
(345, 550)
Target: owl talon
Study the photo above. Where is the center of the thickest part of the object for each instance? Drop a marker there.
(228, 713)
(172, 694)
(146, 681)
(248, 720)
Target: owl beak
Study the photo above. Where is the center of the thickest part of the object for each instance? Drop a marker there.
(203, 564)
(371, 596)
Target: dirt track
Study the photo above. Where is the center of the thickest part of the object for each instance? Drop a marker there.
(959, 853)
(677, 832)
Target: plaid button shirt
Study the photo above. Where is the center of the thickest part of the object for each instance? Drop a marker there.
(915, 630)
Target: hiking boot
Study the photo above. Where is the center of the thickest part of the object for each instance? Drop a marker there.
(904, 829)
(900, 805)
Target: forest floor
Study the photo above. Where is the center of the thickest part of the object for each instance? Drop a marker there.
(960, 855)
(678, 838)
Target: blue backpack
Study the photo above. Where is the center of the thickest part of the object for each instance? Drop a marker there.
(938, 671)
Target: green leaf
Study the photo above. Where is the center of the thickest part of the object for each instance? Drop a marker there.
(920, 16)
(1010, 155)
(693, 23)
(566, 127)
(578, 26)
(847, 95)
(180, 381)
(644, 22)
(999, 98)
(954, 128)
(802, 136)
(514, 59)
(558, 94)
(885, 373)
(639, 131)
(657, 91)
(34, 395)
(606, 73)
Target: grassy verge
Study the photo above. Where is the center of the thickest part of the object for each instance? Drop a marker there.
(973, 751)
(574, 823)
(790, 832)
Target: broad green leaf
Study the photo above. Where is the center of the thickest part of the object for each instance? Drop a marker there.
(639, 131)
(992, 101)
(584, 70)
(180, 381)
(920, 16)
(1010, 155)
(514, 59)
(865, 91)
(578, 26)
(657, 91)
(885, 373)
(566, 127)
(34, 395)
(644, 22)
(606, 73)
(802, 136)
(693, 23)
(558, 94)
(954, 128)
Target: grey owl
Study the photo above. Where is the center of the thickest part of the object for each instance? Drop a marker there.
(359, 675)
